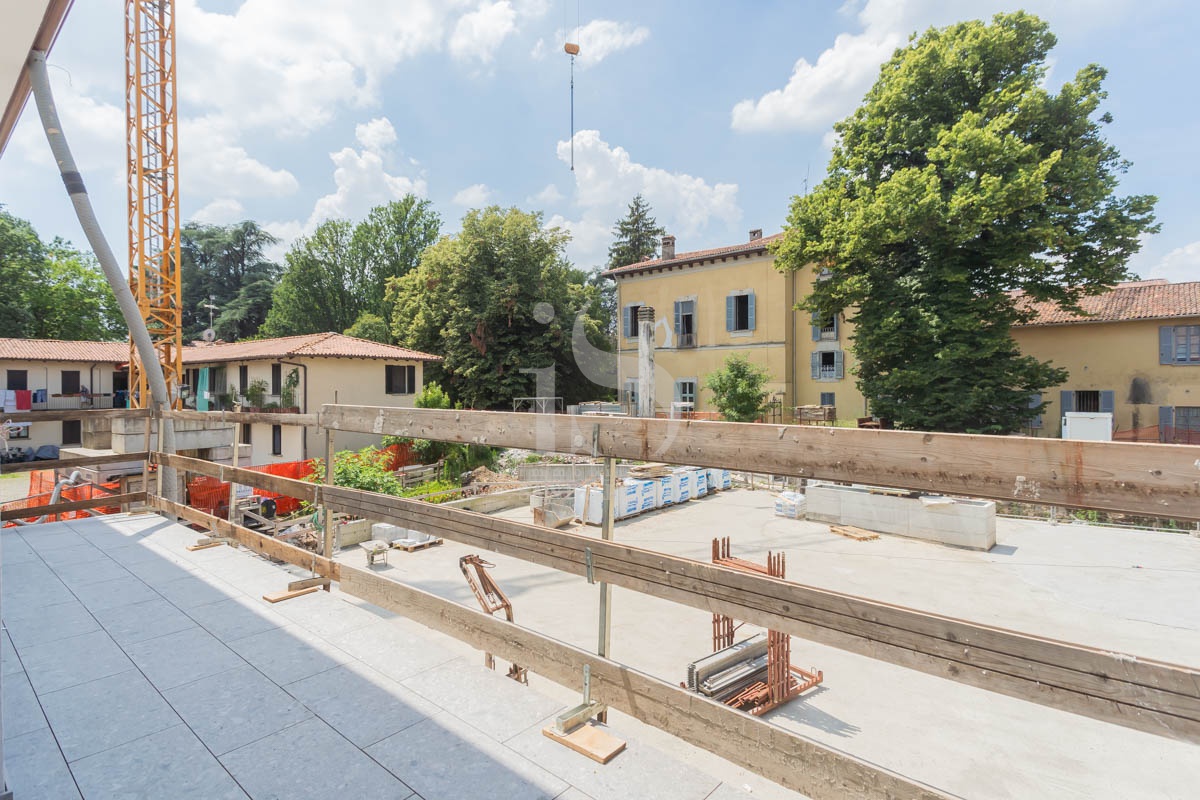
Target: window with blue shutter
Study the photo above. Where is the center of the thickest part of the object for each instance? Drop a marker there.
(816, 366)
(839, 365)
(1108, 404)
(685, 323)
(750, 310)
(1166, 423)
(739, 312)
(816, 327)
(825, 329)
(1035, 400)
(1179, 344)
(1067, 401)
(629, 320)
(730, 313)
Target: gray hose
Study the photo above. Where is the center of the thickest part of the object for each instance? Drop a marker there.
(75, 480)
(159, 394)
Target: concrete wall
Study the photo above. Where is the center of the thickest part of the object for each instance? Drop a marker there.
(970, 524)
(566, 473)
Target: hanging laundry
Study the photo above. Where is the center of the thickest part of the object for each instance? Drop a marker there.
(24, 400)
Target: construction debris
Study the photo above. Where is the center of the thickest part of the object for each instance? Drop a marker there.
(492, 599)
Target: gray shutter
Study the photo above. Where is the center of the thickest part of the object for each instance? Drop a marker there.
(1166, 344)
(730, 313)
(1067, 401)
(1166, 423)
(1035, 400)
(625, 326)
(816, 327)
(836, 325)
(1107, 403)
(816, 366)
(838, 364)
(750, 305)
(678, 319)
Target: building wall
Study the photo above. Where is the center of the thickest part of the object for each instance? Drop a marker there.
(98, 377)
(1121, 357)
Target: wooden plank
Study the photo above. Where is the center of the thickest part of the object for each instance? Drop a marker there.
(308, 583)
(76, 505)
(309, 492)
(260, 543)
(279, 597)
(589, 740)
(795, 761)
(1155, 479)
(71, 463)
(853, 532)
(1149, 695)
(260, 417)
(78, 413)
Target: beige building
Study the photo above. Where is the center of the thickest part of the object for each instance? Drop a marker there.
(298, 373)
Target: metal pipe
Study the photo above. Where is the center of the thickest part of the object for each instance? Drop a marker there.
(74, 480)
(39, 79)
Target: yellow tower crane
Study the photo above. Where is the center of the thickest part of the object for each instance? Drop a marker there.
(152, 148)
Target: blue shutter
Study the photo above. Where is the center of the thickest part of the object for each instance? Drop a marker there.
(836, 326)
(1166, 423)
(816, 327)
(1067, 401)
(678, 391)
(1035, 400)
(678, 319)
(1107, 403)
(730, 313)
(625, 326)
(750, 305)
(816, 366)
(838, 364)
(1166, 344)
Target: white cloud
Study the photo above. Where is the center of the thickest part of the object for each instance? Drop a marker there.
(222, 211)
(474, 196)
(478, 34)
(546, 196)
(376, 135)
(1181, 264)
(224, 168)
(607, 178)
(601, 38)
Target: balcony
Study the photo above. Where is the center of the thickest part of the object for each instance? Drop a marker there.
(686, 340)
(73, 402)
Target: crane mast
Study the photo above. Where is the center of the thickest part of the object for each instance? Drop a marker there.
(152, 147)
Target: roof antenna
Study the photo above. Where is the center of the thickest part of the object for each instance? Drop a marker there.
(572, 50)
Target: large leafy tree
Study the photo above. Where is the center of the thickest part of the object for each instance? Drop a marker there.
(737, 389)
(636, 236)
(389, 243)
(22, 267)
(226, 266)
(960, 183)
(494, 300)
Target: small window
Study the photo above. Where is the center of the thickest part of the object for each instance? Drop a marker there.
(400, 379)
(827, 365)
(72, 432)
(1087, 402)
(70, 381)
(685, 391)
(276, 440)
(276, 379)
(739, 312)
(243, 378)
(631, 321)
(18, 380)
(1187, 418)
(827, 399)
(245, 437)
(685, 323)
(1186, 345)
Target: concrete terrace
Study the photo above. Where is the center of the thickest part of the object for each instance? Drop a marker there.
(134, 668)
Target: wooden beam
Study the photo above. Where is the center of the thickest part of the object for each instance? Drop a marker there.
(1154, 479)
(1144, 694)
(75, 505)
(258, 542)
(260, 417)
(78, 413)
(71, 463)
(795, 761)
(303, 490)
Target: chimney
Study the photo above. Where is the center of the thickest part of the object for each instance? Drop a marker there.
(645, 390)
(756, 234)
(668, 248)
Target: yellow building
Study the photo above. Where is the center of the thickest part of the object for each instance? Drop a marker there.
(1129, 354)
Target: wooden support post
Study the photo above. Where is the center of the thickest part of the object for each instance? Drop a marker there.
(327, 511)
(146, 463)
(237, 429)
(604, 645)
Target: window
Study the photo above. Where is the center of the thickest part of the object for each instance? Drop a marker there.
(1035, 400)
(827, 399)
(825, 329)
(629, 322)
(245, 433)
(685, 391)
(243, 378)
(400, 379)
(276, 440)
(631, 395)
(18, 380)
(1179, 344)
(1088, 401)
(827, 365)
(70, 381)
(72, 432)
(1187, 418)
(739, 312)
(276, 379)
(685, 323)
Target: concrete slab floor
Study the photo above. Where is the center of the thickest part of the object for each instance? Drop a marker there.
(1132, 591)
(143, 670)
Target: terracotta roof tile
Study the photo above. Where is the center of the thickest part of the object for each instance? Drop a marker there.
(321, 345)
(1150, 299)
(60, 350)
(682, 259)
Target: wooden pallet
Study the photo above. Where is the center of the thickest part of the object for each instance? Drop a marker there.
(851, 532)
(412, 548)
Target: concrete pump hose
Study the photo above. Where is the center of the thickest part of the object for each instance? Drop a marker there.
(159, 395)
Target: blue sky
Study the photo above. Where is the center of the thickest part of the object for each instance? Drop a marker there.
(295, 111)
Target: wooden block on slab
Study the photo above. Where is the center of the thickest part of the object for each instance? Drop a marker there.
(279, 597)
(852, 532)
(590, 740)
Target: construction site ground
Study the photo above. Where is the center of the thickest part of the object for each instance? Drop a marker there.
(136, 668)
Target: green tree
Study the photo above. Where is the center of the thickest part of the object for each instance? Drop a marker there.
(389, 243)
(22, 268)
(243, 316)
(737, 389)
(960, 182)
(636, 236)
(498, 301)
(226, 266)
(370, 326)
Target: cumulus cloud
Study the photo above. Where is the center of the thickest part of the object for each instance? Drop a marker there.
(474, 196)
(222, 211)
(607, 178)
(546, 196)
(227, 168)
(1181, 264)
(597, 40)
(478, 34)
(376, 135)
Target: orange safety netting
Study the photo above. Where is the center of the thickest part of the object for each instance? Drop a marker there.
(41, 489)
(212, 496)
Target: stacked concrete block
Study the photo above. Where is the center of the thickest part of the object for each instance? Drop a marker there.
(961, 523)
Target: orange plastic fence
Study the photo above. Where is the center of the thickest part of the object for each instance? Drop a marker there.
(212, 496)
(41, 489)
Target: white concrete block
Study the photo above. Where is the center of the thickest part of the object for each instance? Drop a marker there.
(961, 523)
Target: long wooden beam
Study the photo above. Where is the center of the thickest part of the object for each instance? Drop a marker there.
(78, 413)
(795, 761)
(302, 490)
(1155, 479)
(262, 417)
(71, 463)
(74, 505)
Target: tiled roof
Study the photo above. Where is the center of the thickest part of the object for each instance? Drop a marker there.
(694, 256)
(60, 350)
(319, 345)
(1150, 299)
